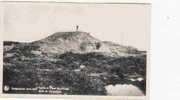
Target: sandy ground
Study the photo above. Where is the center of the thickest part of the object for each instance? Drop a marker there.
(123, 90)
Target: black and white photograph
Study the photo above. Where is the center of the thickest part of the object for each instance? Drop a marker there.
(88, 49)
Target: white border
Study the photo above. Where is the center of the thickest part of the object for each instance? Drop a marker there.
(96, 1)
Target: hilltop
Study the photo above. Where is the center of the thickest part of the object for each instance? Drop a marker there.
(78, 42)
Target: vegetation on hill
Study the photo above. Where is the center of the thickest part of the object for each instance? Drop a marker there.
(87, 73)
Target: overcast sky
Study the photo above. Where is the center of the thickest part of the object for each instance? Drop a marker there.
(127, 24)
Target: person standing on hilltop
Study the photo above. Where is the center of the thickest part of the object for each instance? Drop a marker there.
(77, 27)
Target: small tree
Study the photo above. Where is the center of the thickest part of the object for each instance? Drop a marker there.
(98, 45)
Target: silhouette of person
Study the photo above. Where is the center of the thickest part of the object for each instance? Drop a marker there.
(77, 27)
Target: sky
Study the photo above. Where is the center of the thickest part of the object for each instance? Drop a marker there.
(126, 24)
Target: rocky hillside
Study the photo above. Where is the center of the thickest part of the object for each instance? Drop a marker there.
(80, 42)
(74, 62)
(76, 42)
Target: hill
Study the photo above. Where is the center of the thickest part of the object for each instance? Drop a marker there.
(73, 60)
